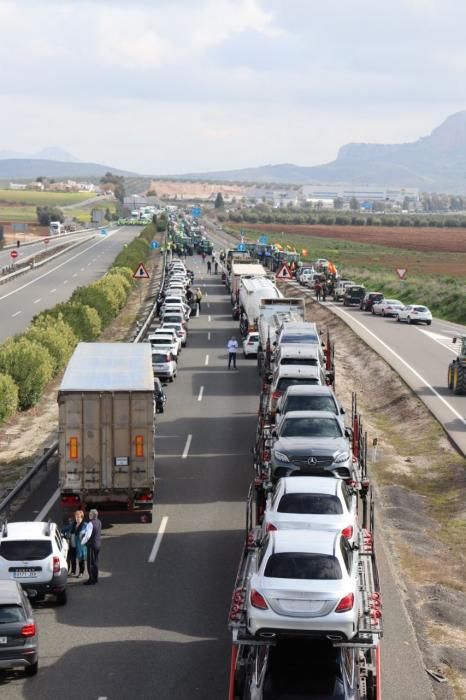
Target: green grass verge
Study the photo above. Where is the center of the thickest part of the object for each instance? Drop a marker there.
(42, 199)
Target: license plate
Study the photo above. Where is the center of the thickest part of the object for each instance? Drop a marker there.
(301, 606)
(3, 640)
(25, 573)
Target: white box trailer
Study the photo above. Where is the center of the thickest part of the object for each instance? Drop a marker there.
(252, 290)
(106, 429)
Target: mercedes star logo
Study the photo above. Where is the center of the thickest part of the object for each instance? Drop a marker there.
(312, 460)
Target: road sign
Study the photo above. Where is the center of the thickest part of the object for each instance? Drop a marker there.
(284, 273)
(141, 273)
(263, 240)
(401, 272)
(14, 254)
(196, 212)
(241, 247)
(103, 232)
(46, 240)
(154, 245)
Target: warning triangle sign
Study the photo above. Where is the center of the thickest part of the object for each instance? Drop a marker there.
(141, 273)
(401, 272)
(284, 273)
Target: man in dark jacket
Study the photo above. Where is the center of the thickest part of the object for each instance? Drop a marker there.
(92, 537)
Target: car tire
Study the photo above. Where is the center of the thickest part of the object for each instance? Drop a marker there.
(61, 597)
(428, 323)
(383, 313)
(408, 321)
(398, 318)
(373, 312)
(31, 670)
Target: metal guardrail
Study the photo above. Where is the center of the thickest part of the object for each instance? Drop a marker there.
(26, 480)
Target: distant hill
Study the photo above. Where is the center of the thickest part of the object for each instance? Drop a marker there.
(433, 163)
(48, 153)
(28, 169)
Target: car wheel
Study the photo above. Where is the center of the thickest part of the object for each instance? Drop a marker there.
(61, 597)
(398, 318)
(383, 313)
(428, 323)
(32, 669)
(408, 320)
(172, 378)
(373, 312)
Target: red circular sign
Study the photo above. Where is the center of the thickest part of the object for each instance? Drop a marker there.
(46, 240)
(14, 254)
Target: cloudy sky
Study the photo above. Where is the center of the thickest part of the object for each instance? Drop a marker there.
(171, 86)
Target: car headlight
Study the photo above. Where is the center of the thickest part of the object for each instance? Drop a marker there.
(341, 457)
(280, 456)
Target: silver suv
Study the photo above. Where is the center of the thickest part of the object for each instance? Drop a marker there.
(35, 555)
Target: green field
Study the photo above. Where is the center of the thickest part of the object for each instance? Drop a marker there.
(38, 199)
(434, 279)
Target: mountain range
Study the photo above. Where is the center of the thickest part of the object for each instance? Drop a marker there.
(432, 163)
(48, 153)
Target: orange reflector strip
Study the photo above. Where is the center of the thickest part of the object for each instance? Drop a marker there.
(73, 448)
(139, 444)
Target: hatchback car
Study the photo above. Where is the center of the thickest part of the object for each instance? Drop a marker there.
(311, 443)
(19, 637)
(387, 307)
(251, 344)
(179, 329)
(35, 554)
(370, 299)
(304, 581)
(415, 313)
(312, 503)
(164, 365)
(354, 295)
(167, 337)
(286, 375)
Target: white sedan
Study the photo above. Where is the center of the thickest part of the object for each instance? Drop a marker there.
(312, 503)
(304, 581)
(251, 344)
(387, 307)
(415, 313)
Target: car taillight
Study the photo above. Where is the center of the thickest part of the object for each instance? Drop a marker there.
(276, 394)
(345, 603)
(257, 601)
(147, 496)
(56, 565)
(270, 527)
(28, 630)
(70, 500)
(347, 532)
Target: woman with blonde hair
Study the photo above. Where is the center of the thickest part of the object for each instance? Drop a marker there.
(77, 552)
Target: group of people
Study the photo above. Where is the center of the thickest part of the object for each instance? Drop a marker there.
(211, 262)
(84, 540)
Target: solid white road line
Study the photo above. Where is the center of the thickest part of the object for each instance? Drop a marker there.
(65, 281)
(208, 335)
(75, 274)
(17, 313)
(206, 360)
(53, 498)
(201, 392)
(52, 291)
(158, 539)
(208, 318)
(36, 301)
(187, 446)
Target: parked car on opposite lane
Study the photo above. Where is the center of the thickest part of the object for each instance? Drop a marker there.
(415, 313)
(370, 299)
(387, 307)
(19, 636)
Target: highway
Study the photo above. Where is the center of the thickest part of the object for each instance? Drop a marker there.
(21, 299)
(28, 250)
(156, 625)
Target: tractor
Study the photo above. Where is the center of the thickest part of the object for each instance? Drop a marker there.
(457, 369)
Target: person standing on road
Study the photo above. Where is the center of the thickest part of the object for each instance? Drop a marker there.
(216, 267)
(232, 347)
(92, 537)
(209, 267)
(324, 291)
(203, 257)
(198, 300)
(77, 552)
(317, 289)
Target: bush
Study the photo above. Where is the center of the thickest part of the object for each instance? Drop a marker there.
(8, 397)
(83, 320)
(55, 335)
(30, 365)
(124, 273)
(97, 297)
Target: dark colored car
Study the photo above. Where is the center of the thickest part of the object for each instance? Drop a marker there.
(354, 295)
(160, 396)
(19, 638)
(370, 299)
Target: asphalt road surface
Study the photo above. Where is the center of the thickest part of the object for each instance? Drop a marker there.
(29, 249)
(54, 282)
(156, 624)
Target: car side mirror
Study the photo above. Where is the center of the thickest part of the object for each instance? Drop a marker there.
(348, 433)
(274, 433)
(454, 340)
(342, 411)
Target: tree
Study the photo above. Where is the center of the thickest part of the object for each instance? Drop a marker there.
(338, 203)
(47, 214)
(354, 204)
(108, 214)
(118, 183)
(151, 193)
(219, 203)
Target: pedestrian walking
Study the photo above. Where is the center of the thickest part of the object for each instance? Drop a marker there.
(209, 267)
(92, 538)
(232, 347)
(324, 291)
(317, 289)
(216, 267)
(77, 552)
(198, 300)
(203, 257)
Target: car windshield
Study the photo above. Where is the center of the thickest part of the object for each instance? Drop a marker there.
(312, 361)
(299, 338)
(393, 302)
(11, 613)
(162, 340)
(285, 382)
(310, 504)
(25, 550)
(299, 565)
(420, 309)
(310, 403)
(311, 427)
